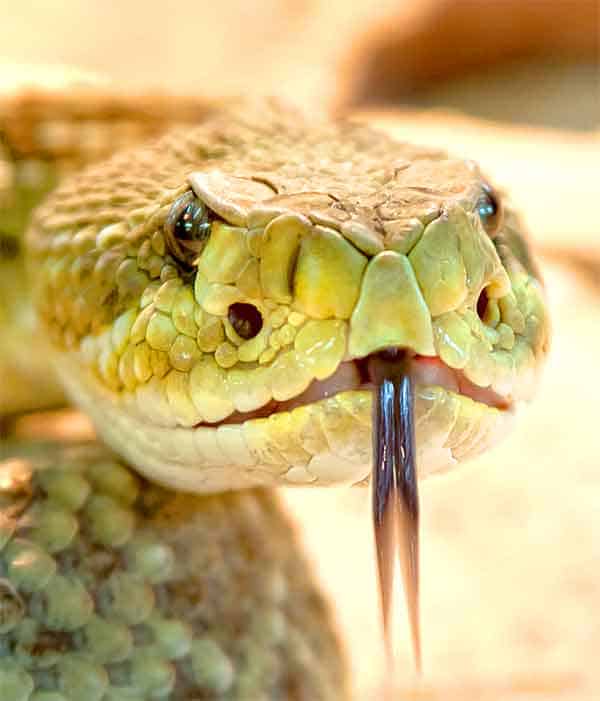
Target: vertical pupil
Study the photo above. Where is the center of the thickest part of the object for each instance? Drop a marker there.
(184, 227)
(487, 208)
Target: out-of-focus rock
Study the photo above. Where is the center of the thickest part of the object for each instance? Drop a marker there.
(499, 59)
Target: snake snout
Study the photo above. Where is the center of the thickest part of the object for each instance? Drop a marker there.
(391, 310)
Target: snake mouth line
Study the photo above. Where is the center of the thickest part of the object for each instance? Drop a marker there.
(354, 375)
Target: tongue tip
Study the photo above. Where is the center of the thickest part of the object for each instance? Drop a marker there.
(395, 493)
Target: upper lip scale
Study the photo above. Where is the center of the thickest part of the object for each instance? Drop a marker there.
(353, 375)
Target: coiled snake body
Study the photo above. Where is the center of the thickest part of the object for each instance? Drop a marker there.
(213, 300)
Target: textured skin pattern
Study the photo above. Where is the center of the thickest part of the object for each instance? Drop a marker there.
(45, 134)
(112, 589)
(344, 240)
(305, 213)
(72, 127)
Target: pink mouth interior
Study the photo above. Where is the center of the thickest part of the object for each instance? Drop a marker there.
(353, 375)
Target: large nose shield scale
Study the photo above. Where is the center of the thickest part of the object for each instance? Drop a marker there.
(391, 310)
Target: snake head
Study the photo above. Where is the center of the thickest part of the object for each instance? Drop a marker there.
(213, 299)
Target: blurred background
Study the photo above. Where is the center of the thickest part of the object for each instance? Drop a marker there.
(511, 543)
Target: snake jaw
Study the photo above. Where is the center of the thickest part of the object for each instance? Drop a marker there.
(356, 376)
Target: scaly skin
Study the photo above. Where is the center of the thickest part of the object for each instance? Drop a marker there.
(345, 241)
(217, 601)
(112, 588)
(45, 134)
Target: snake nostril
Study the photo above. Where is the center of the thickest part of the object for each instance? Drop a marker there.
(482, 304)
(246, 320)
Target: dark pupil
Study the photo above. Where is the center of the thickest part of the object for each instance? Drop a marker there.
(245, 319)
(192, 223)
(489, 210)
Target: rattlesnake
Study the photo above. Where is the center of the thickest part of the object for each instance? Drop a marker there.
(215, 299)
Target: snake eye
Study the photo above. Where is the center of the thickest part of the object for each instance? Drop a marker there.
(245, 319)
(187, 228)
(489, 209)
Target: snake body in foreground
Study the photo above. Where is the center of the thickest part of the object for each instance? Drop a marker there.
(214, 301)
(114, 589)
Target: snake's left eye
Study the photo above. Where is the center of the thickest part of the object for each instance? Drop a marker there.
(489, 208)
(187, 228)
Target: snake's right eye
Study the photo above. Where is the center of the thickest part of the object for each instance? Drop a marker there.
(489, 208)
(187, 228)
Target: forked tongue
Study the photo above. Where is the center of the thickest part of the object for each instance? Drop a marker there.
(395, 493)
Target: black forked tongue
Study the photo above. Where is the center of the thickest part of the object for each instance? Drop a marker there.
(395, 494)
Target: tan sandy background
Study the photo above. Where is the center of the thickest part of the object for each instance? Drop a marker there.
(511, 543)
